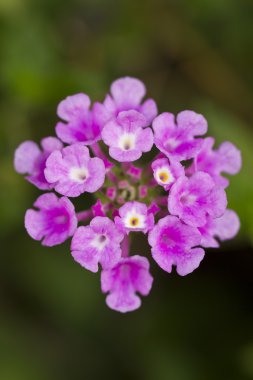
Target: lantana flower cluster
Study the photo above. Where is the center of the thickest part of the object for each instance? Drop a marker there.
(175, 194)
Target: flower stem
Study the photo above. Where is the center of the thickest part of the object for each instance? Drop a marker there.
(83, 216)
(125, 246)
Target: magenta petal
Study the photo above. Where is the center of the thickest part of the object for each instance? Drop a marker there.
(230, 158)
(25, 157)
(193, 121)
(73, 106)
(50, 144)
(125, 156)
(145, 140)
(111, 133)
(223, 228)
(190, 261)
(131, 120)
(128, 92)
(163, 124)
(96, 170)
(149, 110)
(227, 226)
(100, 115)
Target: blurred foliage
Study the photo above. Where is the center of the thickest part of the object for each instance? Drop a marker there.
(192, 55)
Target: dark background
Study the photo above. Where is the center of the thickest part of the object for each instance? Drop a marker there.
(54, 323)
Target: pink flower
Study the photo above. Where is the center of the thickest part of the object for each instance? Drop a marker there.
(134, 216)
(126, 138)
(54, 221)
(127, 94)
(177, 140)
(224, 228)
(129, 276)
(166, 172)
(81, 123)
(30, 159)
(193, 199)
(226, 159)
(173, 243)
(72, 171)
(97, 243)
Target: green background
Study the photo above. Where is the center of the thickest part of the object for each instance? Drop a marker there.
(54, 324)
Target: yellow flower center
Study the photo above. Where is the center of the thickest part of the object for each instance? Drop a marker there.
(164, 177)
(134, 221)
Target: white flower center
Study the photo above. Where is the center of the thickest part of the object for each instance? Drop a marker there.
(164, 176)
(187, 199)
(171, 144)
(127, 141)
(99, 242)
(134, 220)
(78, 174)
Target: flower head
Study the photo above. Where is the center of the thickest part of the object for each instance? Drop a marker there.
(173, 243)
(194, 198)
(97, 243)
(72, 171)
(177, 140)
(178, 198)
(54, 221)
(129, 276)
(30, 159)
(126, 137)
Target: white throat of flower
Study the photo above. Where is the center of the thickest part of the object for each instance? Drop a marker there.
(134, 220)
(171, 144)
(187, 199)
(79, 175)
(164, 176)
(99, 241)
(127, 141)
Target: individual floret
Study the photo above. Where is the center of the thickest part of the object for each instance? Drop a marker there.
(127, 94)
(166, 172)
(194, 199)
(129, 276)
(54, 221)
(173, 243)
(97, 243)
(223, 228)
(81, 124)
(30, 159)
(177, 140)
(135, 216)
(126, 138)
(73, 172)
(225, 159)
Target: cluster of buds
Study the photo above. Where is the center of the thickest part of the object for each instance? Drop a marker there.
(175, 196)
